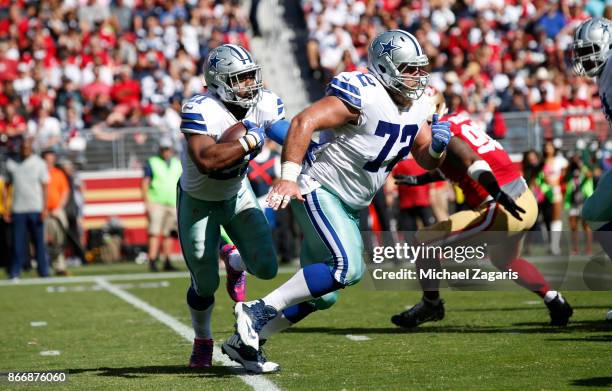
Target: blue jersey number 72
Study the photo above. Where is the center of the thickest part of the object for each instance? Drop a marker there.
(393, 131)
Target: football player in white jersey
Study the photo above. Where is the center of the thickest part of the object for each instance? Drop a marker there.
(590, 53)
(378, 119)
(591, 57)
(213, 192)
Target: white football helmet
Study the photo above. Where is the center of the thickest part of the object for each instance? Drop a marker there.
(390, 55)
(591, 47)
(226, 67)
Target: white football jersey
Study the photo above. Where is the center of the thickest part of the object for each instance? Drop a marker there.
(355, 164)
(207, 114)
(604, 84)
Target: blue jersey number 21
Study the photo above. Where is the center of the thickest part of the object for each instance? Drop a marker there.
(393, 130)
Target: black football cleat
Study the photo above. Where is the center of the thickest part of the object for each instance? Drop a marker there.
(420, 313)
(560, 311)
(252, 360)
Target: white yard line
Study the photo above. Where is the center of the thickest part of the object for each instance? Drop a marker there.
(82, 279)
(258, 382)
(93, 288)
(357, 338)
(114, 277)
(50, 353)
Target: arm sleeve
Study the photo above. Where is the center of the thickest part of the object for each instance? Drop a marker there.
(278, 131)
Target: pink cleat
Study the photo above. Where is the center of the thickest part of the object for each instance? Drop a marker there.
(236, 280)
(201, 356)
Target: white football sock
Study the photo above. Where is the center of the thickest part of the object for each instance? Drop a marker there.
(235, 261)
(291, 292)
(555, 236)
(550, 295)
(278, 324)
(200, 320)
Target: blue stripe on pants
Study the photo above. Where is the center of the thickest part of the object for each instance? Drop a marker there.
(328, 235)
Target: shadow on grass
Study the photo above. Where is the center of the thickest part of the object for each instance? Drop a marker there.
(588, 338)
(525, 308)
(605, 381)
(517, 328)
(141, 372)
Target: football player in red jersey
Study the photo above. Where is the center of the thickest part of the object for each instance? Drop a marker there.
(499, 200)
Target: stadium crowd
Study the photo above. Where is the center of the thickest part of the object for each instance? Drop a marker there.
(66, 66)
(488, 56)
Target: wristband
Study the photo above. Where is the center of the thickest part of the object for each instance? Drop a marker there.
(248, 142)
(244, 144)
(434, 154)
(477, 168)
(290, 171)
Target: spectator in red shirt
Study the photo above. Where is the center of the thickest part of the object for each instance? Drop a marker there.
(16, 123)
(3, 127)
(97, 87)
(41, 97)
(126, 91)
(414, 201)
(4, 100)
(8, 67)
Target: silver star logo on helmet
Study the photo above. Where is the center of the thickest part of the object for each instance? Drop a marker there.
(388, 48)
(214, 61)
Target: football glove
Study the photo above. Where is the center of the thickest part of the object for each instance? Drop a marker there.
(440, 135)
(508, 203)
(407, 180)
(255, 135)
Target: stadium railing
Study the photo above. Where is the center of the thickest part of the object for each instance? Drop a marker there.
(129, 148)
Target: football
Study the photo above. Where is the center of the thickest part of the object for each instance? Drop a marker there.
(233, 133)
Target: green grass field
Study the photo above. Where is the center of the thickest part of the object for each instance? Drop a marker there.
(488, 340)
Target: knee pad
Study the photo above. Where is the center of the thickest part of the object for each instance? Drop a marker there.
(321, 279)
(326, 301)
(198, 302)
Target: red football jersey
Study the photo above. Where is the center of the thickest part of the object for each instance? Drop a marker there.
(487, 148)
(411, 196)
